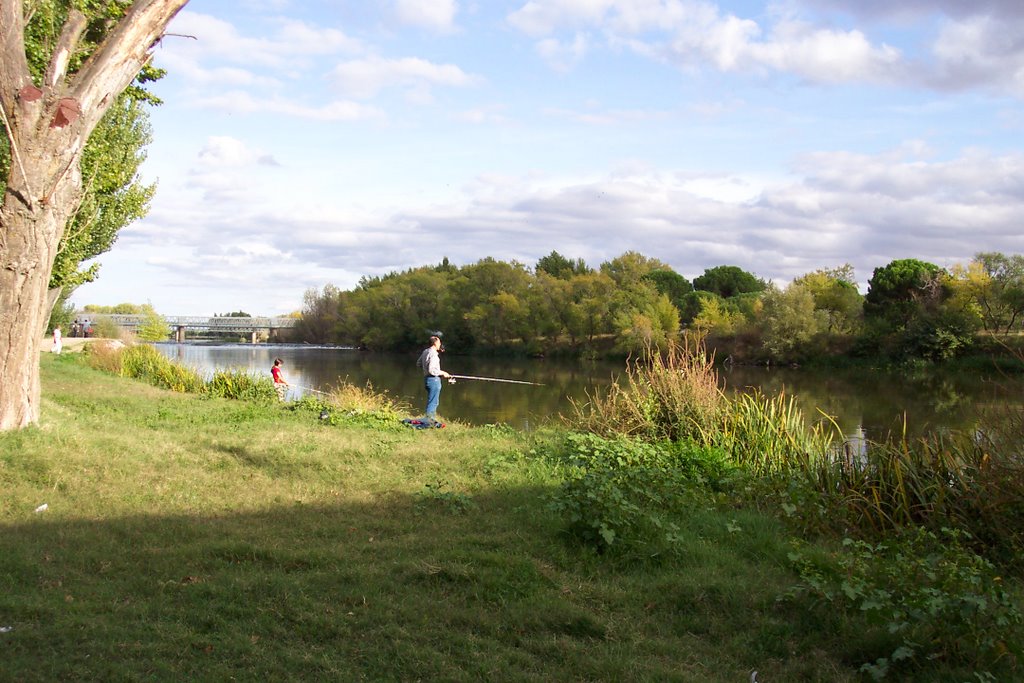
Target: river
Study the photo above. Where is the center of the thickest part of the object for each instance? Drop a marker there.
(864, 403)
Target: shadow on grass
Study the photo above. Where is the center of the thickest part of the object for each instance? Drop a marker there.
(402, 588)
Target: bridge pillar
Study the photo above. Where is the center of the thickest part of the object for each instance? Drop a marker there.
(255, 336)
(179, 334)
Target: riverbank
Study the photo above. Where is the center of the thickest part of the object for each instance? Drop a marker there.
(189, 538)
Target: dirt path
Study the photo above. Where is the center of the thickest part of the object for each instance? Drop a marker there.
(70, 344)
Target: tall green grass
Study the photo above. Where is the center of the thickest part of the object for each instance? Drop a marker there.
(770, 436)
(142, 361)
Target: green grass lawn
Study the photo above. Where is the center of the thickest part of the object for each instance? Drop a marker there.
(204, 539)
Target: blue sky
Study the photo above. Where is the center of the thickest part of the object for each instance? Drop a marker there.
(305, 142)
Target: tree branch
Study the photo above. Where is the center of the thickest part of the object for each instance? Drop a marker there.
(61, 57)
(111, 68)
(13, 63)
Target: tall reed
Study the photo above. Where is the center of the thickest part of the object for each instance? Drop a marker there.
(142, 361)
(242, 385)
(952, 480)
(349, 397)
(770, 435)
(672, 395)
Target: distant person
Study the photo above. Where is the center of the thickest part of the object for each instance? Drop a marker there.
(58, 344)
(76, 328)
(280, 385)
(430, 362)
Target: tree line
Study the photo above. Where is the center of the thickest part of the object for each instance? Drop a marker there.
(913, 309)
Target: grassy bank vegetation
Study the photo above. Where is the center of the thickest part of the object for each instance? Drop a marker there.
(671, 535)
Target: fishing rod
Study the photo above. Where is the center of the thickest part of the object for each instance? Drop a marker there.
(492, 379)
(315, 391)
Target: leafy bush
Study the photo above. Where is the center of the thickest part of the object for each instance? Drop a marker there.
(931, 595)
(623, 494)
(453, 502)
(331, 412)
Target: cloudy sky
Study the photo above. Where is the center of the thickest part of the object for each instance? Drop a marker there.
(307, 142)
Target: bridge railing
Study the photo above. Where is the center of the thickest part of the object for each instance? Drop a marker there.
(195, 322)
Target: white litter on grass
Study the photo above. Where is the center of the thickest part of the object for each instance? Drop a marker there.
(42, 508)
(6, 629)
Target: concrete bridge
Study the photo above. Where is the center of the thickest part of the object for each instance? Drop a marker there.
(180, 323)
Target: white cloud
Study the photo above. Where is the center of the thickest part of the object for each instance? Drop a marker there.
(493, 114)
(980, 50)
(222, 151)
(243, 102)
(216, 39)
(364, 78)
(979, 44)
(563, 56)
(692, 34)
(438, 15)
(596, 116)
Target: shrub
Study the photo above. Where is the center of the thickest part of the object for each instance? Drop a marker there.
(104, 356)
(931, 595)
(623, 494)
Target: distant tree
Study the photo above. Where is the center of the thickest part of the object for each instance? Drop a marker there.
(718, 316)
(653, 327)
(117, 309)
(790, 320)
(898, 291)
(629, 268)
(549, 300)
(911, 310)
(999, 290)
(237, 314)
(835, 293)
(728, 281)
(556, 265)
(154, 326)
(62, 315)
(693, 303)
(319, 315)
(590, 307)
(672, 284)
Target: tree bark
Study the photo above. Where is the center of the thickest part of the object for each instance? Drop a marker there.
(47, 126)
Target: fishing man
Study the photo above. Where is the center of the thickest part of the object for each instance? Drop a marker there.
(430, 362)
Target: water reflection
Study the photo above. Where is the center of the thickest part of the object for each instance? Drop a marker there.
(472, 401)
(865, 404)
(877, 403)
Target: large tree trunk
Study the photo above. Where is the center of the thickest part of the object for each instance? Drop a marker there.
(47, 126)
